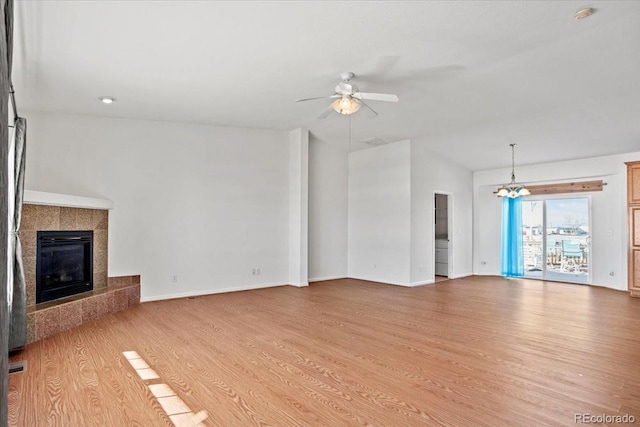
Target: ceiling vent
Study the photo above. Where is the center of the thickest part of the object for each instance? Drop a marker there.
(374, 142)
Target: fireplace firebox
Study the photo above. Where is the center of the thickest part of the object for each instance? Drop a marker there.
(64, 264)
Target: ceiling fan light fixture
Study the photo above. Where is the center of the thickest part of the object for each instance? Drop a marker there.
(347, 98)
(346, 105)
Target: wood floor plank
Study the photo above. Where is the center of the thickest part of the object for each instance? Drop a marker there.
(479, 351)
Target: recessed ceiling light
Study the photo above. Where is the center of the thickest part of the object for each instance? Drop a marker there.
(583, 13)
(107, 99)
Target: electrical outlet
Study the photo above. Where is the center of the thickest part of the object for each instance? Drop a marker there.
(253, 272)
(611, 273)
(174, 279)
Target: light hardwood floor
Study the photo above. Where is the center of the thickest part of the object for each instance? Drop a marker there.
(466, 352)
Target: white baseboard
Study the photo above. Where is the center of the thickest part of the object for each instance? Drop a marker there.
(322, 279)
(460, 276)
(424, 282)
(406, 285)
(299, 285)
(210, 292)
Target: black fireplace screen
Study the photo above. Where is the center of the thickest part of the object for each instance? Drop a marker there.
(64, 264)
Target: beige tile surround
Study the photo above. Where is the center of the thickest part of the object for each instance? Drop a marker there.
(50, 318)
(109, 295)
(42, 218)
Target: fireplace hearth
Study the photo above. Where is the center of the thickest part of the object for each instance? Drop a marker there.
(64, 264)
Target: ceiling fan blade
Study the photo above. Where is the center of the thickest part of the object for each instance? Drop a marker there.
(376, 96)
(370, 111)
(317, 97)
(326, 112)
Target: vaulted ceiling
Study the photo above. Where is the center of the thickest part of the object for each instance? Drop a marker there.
(472, 77)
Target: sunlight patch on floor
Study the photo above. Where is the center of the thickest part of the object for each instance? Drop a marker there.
(178, 411)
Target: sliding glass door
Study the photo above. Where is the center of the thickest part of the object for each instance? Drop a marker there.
(556, 239)
(532, 237)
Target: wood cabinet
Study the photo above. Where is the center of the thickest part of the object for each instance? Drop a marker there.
(633, 201)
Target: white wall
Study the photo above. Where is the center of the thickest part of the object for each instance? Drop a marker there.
(608, 213)
(380, 213)
(430, 174)
(328, 199)
(391, 213)
(206, 204)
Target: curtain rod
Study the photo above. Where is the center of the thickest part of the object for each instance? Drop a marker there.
(13, 103)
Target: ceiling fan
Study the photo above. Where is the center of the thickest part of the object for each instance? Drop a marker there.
(348, 99)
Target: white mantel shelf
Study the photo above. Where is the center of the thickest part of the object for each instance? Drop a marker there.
(66, 200)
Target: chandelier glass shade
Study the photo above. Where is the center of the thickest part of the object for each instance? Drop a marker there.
(513, 190)
(346, 105)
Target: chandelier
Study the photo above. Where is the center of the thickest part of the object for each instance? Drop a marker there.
(513, 190)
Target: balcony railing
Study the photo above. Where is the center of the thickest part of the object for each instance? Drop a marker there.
(557, 260)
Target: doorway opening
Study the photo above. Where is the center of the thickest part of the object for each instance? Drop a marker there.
(443, 208)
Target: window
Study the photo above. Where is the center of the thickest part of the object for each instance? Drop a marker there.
(556, 239)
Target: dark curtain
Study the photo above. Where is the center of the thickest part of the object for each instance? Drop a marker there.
(18, 319)
(6, 15)
(8, 47)
(18, 292)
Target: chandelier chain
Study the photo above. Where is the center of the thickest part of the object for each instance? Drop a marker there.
(513, 190)
(513, 163)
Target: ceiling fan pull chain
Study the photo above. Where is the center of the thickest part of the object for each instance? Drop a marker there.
(349, 152)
